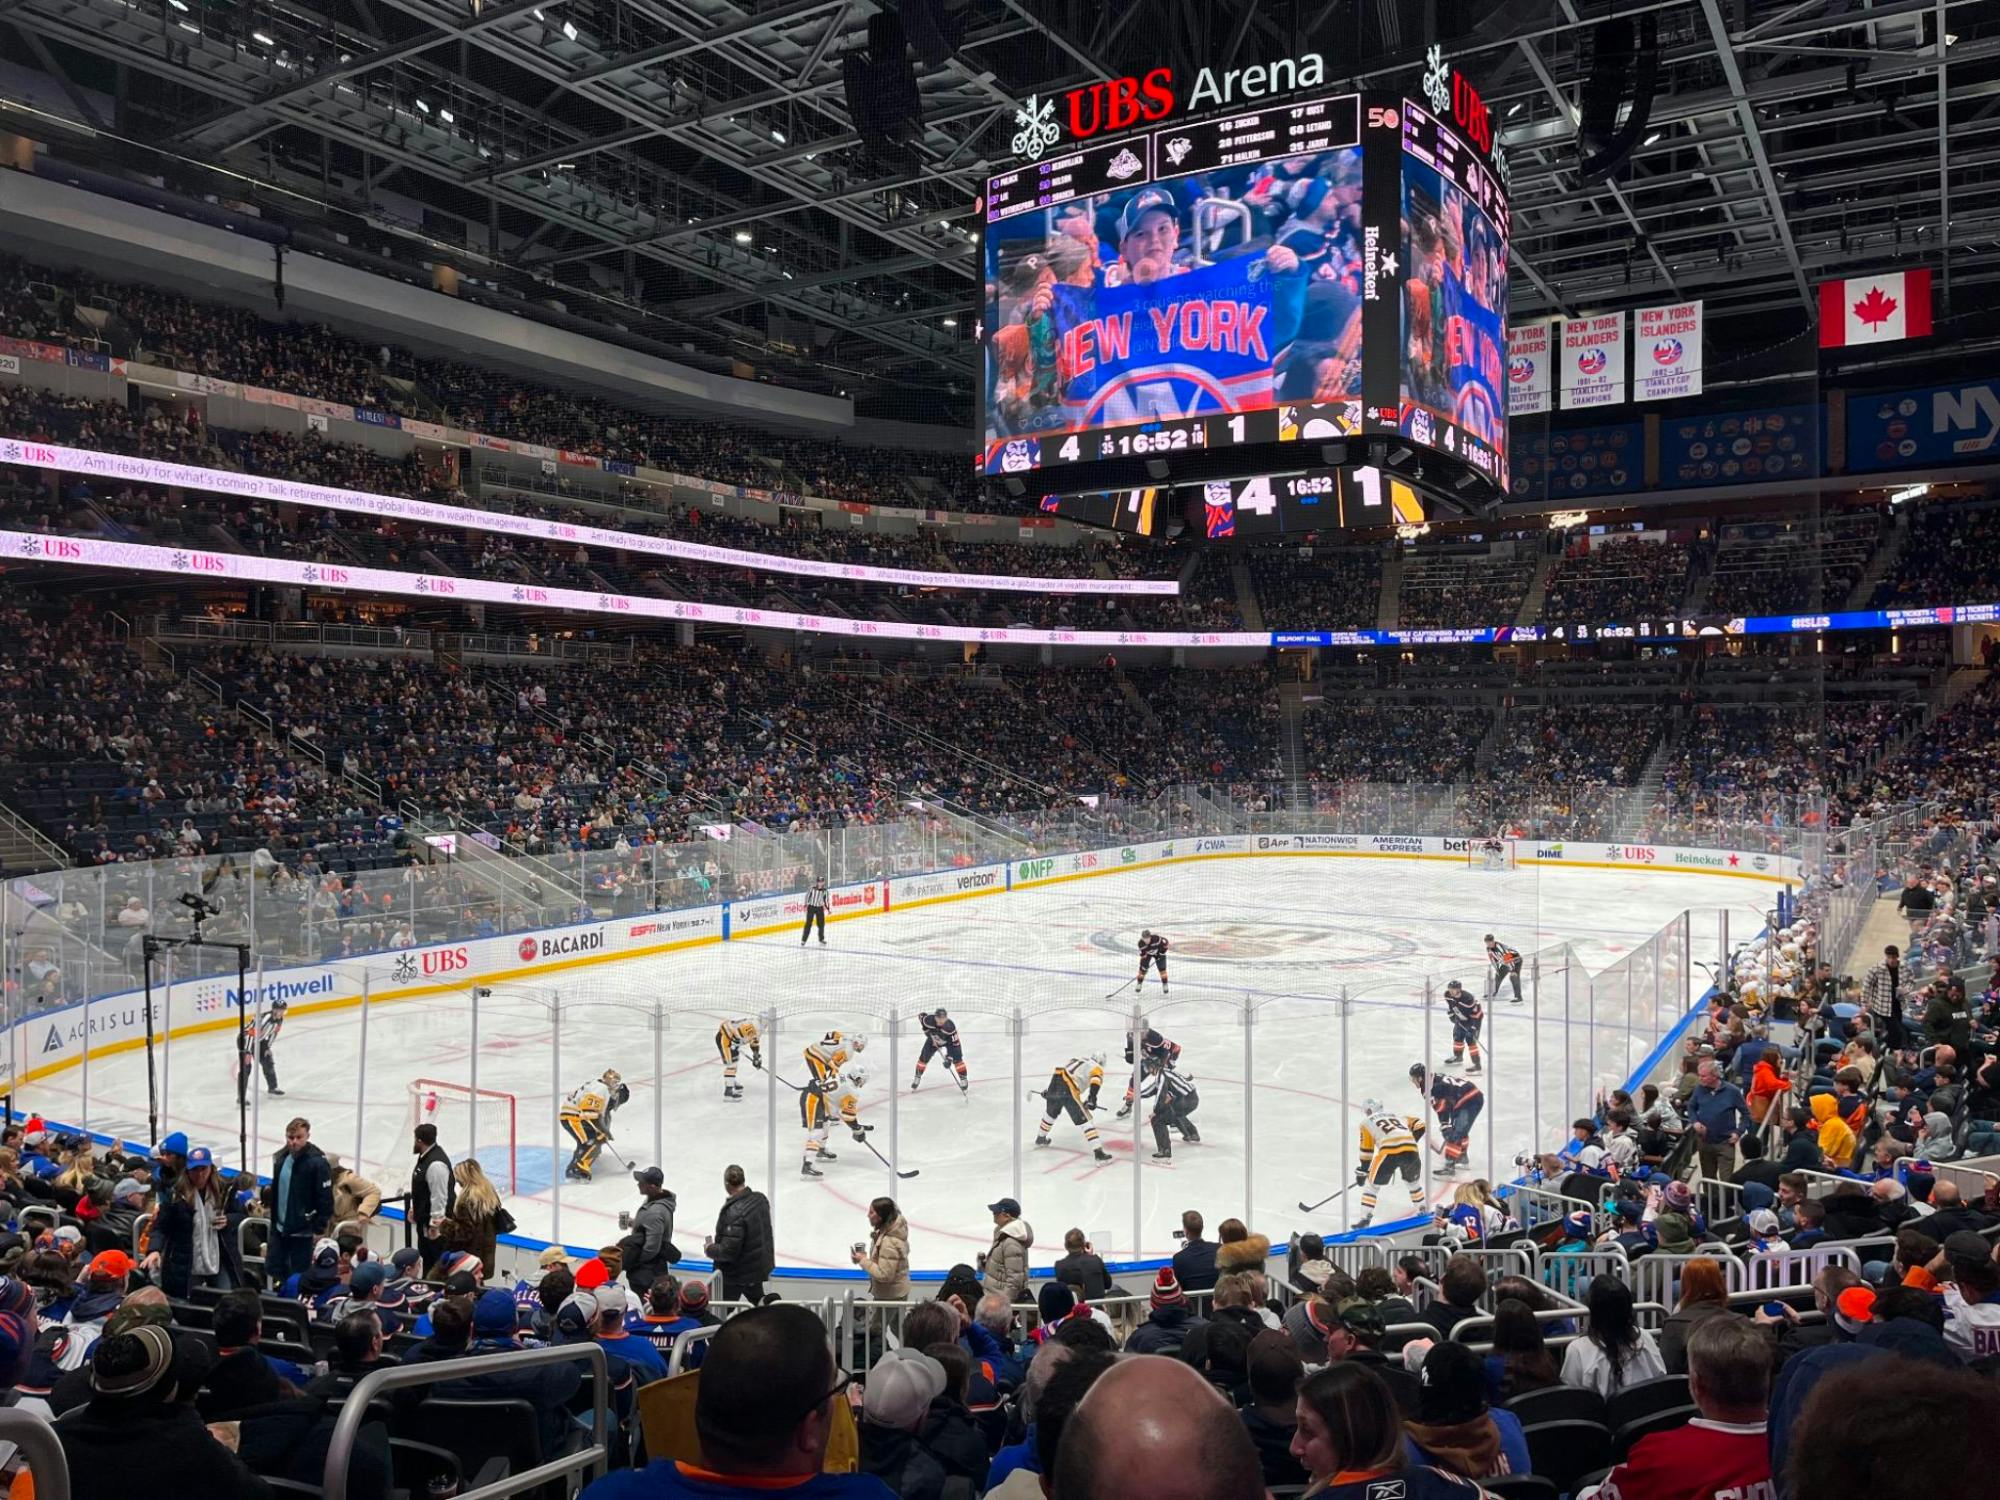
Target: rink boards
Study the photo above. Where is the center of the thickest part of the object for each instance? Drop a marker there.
(53, 1041)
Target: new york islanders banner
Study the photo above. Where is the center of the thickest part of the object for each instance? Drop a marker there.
(1666, 351)
(1196, 342)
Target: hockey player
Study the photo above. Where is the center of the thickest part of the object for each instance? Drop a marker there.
(1458, 1102)
(1466, 1014)
(1178, 1102)
(819, 1100)
(940, 1035)
(1152, 954)
(1504, 964)
(1072, 1092)
(1388, 1149)
(1151, 1053)
(732, 1040)
(253, 1047)
(586, 1120)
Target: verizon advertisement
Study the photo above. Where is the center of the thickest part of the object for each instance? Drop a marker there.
(946, 885)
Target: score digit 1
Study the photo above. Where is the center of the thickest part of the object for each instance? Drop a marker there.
(1237, 429)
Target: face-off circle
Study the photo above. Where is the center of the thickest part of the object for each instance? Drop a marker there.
(1268, 945)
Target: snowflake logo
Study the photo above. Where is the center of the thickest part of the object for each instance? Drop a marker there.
(1038, 129)
(519, 593)
(31, 548)
(1437, 79)
(311, 574)
(423, 585)
(404, 969)
(603, 601)
(180, 561)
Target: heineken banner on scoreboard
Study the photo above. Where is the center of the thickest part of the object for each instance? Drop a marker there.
(1593, 361)
(1529, 358)
(1666, 352)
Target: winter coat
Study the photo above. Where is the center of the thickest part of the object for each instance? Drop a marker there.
(1680, 1327)
(1243, 1255)
(744, 1250)
(1766, 1084)
(951, 1436)
(310, 1211)
(912, 1472)
(887, 1261)
(355, 1196)
(1836, 1141)
(1482, 1447)
(1272, 1439)
(458, 1230)
(1164, 1332)
(650, 1251)
(1086, 1270)
(1006, 1268)
(110, 1447)
(172, 1234)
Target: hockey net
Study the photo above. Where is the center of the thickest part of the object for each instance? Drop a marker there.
(1491, 854)
(448, 1106)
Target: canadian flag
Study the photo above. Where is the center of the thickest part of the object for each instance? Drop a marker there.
(1874, 309)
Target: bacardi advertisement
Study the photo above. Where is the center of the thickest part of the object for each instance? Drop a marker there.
(1666, 360)
(1593, 361)
(1530, 360)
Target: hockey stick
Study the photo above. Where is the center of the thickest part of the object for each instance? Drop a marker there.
(1313, 1208)
(1117, 992)
(886, 1162)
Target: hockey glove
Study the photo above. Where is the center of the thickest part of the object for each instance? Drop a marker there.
(757, 1061)
(1360, 1176)
(1091, 1102)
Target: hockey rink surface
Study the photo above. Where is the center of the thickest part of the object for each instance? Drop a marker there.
(1284, 940)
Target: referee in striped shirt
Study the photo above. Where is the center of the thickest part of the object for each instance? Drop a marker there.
(815, 912)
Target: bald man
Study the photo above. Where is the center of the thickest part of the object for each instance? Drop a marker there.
(1154, 1427)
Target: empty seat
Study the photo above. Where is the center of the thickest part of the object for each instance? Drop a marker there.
(1642, 1400)
(1559, 1403)
(1563, 1451)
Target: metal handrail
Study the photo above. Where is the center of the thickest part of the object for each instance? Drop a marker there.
(38, 1444)
(684, 1342)
(354, 1411)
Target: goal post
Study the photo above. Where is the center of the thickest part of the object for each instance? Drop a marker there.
(1492, 854)
(493, 1136)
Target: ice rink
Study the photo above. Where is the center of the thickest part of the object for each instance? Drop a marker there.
(1327, 959)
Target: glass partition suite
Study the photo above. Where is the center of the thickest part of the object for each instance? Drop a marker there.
(1305, 982)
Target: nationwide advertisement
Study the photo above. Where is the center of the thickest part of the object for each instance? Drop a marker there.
(1307, 843)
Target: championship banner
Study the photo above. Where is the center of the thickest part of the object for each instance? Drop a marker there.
(1529, 358)
(1593, 361)
(1667, 345)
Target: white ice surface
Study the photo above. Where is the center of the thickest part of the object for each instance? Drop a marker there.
(1285, 937)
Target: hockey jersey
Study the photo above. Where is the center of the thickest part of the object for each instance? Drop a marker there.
(261, 1031)
(590, 1101)
(1463, 1008)
(1386, 1135)
(1154, 947)
(1082, 1076)
(1450, 1093)
(740, 1033)
(1501, 955)
(941, 1031)
(1704, 1460)
(1170, 1086)
(826, 1057)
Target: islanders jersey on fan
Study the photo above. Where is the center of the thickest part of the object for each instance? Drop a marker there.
(1195, 342)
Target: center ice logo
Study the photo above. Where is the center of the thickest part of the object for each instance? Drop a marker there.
(1269, 945)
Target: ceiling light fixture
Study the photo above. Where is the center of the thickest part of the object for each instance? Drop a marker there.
(423, 108)
(743, 236)
(777, 135)
(261, 39)
(569, 30)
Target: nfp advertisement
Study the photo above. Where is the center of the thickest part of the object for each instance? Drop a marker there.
(1593, 361)
(1530, 357)
(1666, 352)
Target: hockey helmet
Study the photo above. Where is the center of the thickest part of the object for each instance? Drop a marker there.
(858, 1076)
(613, 1077)
(1098, 1057)
(938, 1014)
(748, 1028)
(1145, 932)
(1372, 1106)
(1417, 1072)
(1454, 987)
(857, 1043)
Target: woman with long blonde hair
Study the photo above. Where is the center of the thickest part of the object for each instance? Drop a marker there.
(474, 1221)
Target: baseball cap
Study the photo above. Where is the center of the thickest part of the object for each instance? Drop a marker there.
(1964, 1245)
(69, 1234)
(553, 1256)
(1763, 1221)
(326, 1252)
(1453, 1382)
(1360, 1317)
(200, 1156)
(110, 1265)
(408, 1261)
(493, 1313)
(1854, 1307)
(367, 1276)
(651, 1176)
(1005, 1206)
(901, 1387)
(128, 1190)
(578, 1313)
(1143, 202)
(611, 1298)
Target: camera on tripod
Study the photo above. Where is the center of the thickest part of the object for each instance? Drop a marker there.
(200, 908)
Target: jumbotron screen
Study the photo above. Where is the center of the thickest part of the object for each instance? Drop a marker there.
(1204, 289)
